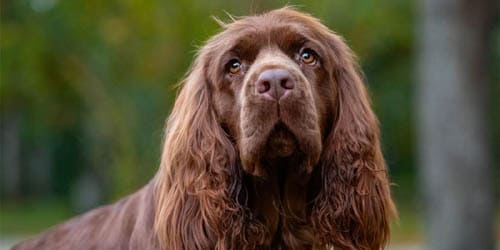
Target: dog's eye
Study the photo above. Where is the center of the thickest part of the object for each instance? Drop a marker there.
(234, 66)
(308, 57)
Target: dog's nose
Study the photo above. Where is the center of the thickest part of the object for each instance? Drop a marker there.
(275, 83)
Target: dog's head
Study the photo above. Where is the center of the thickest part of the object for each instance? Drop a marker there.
(273, 86)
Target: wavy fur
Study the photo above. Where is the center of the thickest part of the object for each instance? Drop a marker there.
(243, 171)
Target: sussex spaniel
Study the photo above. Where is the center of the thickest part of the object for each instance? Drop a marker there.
(271, 144)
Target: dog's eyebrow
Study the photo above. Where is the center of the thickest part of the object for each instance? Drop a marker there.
(288, 36)
(245, 46)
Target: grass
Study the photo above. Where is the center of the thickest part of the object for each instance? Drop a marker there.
(31, 217)
(408, 228)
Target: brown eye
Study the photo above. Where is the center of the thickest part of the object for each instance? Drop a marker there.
(308, 57)
(234, 66)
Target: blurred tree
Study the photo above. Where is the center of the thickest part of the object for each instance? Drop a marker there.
(454, 138)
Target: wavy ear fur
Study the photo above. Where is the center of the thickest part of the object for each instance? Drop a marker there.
(199, 181)
(354, 206)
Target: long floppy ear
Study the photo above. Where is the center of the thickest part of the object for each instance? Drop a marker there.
(354, 205)
(199, 181)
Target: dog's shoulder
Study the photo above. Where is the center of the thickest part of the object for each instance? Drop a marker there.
(125, 224)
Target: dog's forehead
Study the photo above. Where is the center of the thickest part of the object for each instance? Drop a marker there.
(283, 28)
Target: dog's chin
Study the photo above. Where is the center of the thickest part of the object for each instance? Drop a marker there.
(281, 143)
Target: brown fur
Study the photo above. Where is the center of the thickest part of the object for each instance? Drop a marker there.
(239, 171)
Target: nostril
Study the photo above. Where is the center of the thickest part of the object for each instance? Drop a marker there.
(274, 83)
(286, 83)
(263, 87)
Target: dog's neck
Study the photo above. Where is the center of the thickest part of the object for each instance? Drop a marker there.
(279, 200)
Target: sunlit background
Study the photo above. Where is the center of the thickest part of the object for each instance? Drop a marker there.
(86, 87)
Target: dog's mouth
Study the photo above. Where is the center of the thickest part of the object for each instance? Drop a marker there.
(274, 132)
(281, 142)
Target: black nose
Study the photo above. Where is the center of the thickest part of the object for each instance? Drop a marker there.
(275, 83)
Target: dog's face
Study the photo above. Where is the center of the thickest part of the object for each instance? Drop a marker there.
(272, 88)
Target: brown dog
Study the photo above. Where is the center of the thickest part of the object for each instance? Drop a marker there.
(271, 144)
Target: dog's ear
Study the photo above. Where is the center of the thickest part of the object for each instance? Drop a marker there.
(354, 205)
(199, 177)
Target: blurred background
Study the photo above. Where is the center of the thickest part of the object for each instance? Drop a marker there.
(86, 86)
